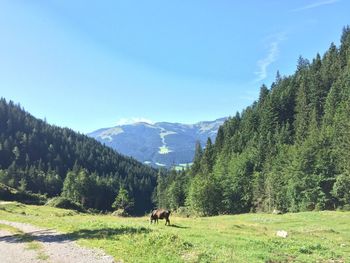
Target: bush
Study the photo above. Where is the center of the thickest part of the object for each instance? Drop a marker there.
(346, 207)
(11, 194)
(120, 212)
(94, 211)
(183, 211)
(66, 203)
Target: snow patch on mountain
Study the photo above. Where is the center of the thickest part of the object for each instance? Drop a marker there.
(159, 144)
(109, 133)
(164, 149)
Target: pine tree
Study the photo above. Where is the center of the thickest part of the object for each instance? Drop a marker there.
(207, 161)
(123, 201)
(195, 168)
(302, 112)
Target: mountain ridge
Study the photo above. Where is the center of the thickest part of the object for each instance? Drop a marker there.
(158, 144)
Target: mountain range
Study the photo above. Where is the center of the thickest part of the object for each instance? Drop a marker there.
(158, 144)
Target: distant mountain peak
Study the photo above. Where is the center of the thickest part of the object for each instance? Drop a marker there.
(134, 120)
(160, 143)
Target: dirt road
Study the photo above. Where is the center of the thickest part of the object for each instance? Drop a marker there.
(51, 247)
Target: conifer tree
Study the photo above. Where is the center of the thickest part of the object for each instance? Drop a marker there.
(195, 168)
(207, 161)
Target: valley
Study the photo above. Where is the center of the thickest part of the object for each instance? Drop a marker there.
(230, 118)
(312, 236)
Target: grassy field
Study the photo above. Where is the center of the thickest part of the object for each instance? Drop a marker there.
(312, 236)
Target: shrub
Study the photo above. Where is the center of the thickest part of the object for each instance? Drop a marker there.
(120, 212)
(66, 203)
(183, 211)
(11, 194)
(346, 207)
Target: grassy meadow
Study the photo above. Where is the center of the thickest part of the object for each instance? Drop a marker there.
(312, 236)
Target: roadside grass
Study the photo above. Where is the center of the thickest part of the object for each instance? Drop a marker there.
(31, 243)
(312, 236)
(10, 229)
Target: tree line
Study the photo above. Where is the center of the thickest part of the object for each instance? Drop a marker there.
(46, 159)
(289, 150)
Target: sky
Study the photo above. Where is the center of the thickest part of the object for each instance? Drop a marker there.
(94, 64)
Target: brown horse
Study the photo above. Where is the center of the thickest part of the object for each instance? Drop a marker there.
(160, 214)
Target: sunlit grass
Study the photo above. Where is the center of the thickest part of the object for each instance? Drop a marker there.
(10, 229)
(312, 236)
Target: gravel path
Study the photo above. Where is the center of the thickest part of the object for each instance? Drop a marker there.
(10, 247)
(56, 246)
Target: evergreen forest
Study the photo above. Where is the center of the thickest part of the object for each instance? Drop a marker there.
(41, 158)
(288, 151)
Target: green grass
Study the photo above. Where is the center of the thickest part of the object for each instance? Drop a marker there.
(10, 229)
(313, 236)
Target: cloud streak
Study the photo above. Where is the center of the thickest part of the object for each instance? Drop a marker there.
(315, 5)
(272, 55)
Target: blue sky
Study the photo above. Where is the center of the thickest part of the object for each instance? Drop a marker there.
(93, 64)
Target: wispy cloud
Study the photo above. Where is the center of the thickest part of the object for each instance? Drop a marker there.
(272, 55)
(315, 5)
(126, 121)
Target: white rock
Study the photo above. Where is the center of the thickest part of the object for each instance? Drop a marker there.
(282, 233)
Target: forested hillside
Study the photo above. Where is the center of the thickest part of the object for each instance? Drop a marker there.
(290, 150)
(37, 157)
